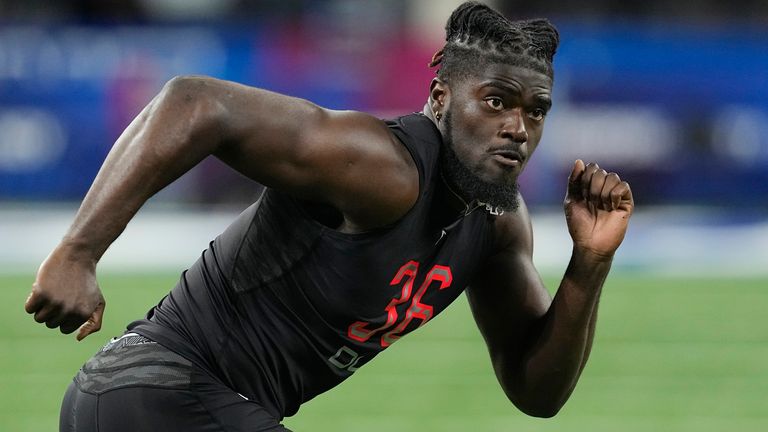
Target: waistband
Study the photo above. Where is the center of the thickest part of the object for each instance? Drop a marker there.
(128, 339)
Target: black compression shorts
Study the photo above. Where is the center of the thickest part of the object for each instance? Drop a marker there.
(135, 384)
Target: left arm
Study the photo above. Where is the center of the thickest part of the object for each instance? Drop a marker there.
(538, 345)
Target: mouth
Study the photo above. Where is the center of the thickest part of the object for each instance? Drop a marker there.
(509, 158)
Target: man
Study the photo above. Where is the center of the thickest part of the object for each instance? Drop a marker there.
(367, 229)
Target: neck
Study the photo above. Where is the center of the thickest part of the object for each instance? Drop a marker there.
(453, 198)
(458, 203)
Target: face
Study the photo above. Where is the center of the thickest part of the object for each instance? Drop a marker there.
(492, 124)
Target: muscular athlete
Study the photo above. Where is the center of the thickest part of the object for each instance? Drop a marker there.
(367, 229)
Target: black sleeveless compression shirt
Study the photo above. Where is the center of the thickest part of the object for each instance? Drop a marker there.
(281, 307)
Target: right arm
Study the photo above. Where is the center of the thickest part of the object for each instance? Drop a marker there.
(280, 141)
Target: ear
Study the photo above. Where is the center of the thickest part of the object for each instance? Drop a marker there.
(439, 95)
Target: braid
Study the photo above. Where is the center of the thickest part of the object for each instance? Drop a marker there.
(476, 34)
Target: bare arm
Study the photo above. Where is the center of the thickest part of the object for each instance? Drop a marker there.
(280, 141)
(539, 346)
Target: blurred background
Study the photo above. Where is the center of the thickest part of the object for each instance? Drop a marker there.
(672, 95)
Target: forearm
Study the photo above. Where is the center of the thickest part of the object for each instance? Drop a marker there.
(540, 349)
(170, 136)
(585, 275)
(590, 336)
(557, 353)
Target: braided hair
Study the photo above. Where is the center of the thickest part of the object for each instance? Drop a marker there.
(477, 35)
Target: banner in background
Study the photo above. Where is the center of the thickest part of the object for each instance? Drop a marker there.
(681, 112)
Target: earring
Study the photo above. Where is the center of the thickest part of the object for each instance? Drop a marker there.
(438, 115)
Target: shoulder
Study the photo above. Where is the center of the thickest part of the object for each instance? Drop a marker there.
(513, 231)
(359, 133)
(376, 178)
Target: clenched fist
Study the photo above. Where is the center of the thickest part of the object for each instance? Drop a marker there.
(598, 206)
(66, 295)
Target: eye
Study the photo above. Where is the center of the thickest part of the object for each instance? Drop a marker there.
(537, 114)
(495, 103)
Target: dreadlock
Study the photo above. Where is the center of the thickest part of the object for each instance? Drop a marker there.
(477, 35)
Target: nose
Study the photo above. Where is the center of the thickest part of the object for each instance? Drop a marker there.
(514, 127)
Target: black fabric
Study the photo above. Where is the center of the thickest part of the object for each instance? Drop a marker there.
(144, 363)
(281, 307)
(125, 340)
(146, 387)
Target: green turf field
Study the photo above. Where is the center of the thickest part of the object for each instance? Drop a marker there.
(671, 354)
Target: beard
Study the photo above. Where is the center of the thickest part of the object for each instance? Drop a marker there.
(469, 185)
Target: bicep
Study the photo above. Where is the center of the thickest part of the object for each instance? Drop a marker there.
(507, 295)
(296, 146)
(279, 140)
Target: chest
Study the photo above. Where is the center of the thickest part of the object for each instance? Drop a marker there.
(378, 289)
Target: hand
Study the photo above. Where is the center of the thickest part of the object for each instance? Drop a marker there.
(597, 209)
(66, 295)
